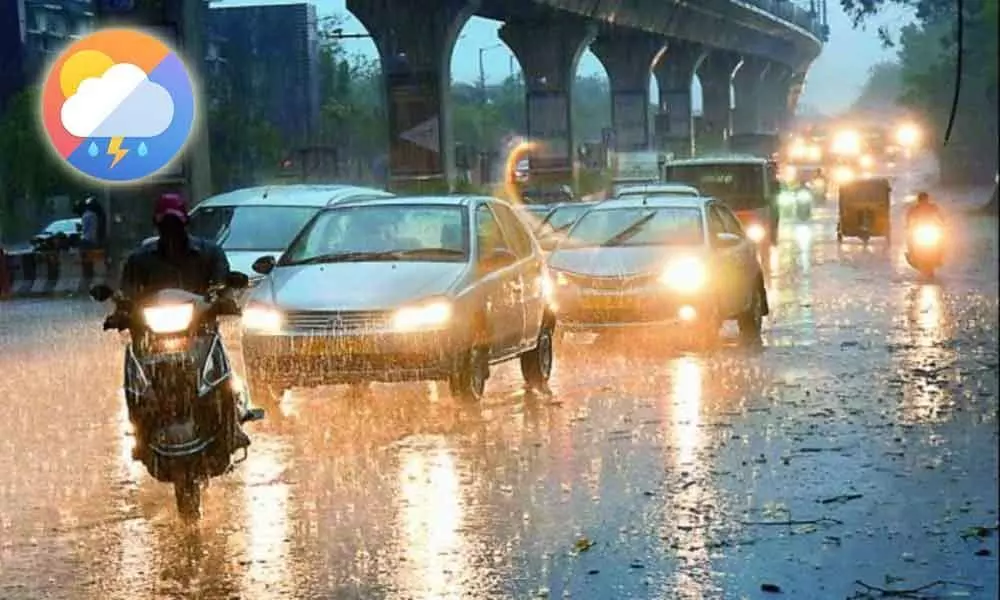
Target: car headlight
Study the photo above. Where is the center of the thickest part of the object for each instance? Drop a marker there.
(168, 319)
(685, 275)
(927, 235)
(561, 280)
(262, 319)
(756, 232)
(434, 315)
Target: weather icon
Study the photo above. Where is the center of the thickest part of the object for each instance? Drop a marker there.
(118, 105)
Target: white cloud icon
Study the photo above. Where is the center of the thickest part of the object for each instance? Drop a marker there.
(122, 102)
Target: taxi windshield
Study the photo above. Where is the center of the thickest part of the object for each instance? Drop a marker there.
(640, 226)
(384, 232)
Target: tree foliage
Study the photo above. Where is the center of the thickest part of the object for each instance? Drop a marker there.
(928, 56)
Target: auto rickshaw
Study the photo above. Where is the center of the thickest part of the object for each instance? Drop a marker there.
(864, 210)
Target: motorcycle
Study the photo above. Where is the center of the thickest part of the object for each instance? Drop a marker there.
(184, 401)
(924, 246)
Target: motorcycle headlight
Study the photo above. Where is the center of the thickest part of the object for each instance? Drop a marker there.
(927, 235)
(430, 316)
(168, 319)
(685, 275)
(262, 319)
(756, 233)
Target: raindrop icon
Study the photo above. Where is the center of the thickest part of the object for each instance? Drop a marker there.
(92, 149)
(143, 150)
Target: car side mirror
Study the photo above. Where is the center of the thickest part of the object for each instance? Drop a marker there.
(101, 292)
(237, 281)
(498, 259)
(264, 265)
(727, 240)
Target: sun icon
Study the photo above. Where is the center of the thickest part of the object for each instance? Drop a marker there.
(116, 85)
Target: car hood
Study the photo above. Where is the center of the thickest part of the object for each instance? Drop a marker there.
(614, 261)
(242, 260)
(357, 285)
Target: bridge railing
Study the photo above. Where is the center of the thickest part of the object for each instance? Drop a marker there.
(797, 12)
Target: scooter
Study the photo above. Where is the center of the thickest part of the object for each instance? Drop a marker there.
(184, 401)
(924, 249)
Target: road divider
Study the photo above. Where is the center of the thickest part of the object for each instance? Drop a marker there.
(51, 274)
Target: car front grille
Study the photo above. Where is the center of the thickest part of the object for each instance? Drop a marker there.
(618, 282)
(324, 322)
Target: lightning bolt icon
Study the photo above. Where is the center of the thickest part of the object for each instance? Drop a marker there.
(115, 149)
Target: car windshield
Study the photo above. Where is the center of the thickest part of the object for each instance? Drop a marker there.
(740, 186)
(64, 226)
(416, 232)
(562, 219)
(250, 227)
(639, 226)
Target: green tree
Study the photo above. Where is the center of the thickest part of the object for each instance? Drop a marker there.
(29, 172)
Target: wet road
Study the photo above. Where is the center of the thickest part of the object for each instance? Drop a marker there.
(867, 422)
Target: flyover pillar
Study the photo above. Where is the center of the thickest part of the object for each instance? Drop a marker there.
(747, 87)
(629, 58)
(775, 93)
(716, 76)
(549, 50)
(674, 75)
(415, 42)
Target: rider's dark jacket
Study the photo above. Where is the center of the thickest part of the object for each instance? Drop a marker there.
(149, 270)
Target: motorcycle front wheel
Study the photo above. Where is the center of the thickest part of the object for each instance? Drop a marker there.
(187, 492)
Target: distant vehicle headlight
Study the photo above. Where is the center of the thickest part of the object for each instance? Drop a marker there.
(756, 232)
(430, 316)
(685, 275)
(168, 319)
(262, 319)
(844, 175)
(927, 235)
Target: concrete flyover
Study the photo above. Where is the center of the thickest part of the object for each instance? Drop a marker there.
(761, 47)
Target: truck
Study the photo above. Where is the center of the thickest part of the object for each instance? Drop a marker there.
(635, 168)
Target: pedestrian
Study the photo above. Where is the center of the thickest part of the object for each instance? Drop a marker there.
(91, 236)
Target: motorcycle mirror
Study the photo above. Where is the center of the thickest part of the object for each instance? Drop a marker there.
(237, 280)
(264, 265)
(101, 292)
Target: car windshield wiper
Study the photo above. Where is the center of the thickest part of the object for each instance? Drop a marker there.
(629, 231)
(347, 257)
(429, 252)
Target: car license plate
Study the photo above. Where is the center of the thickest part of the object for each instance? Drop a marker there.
(328, 346)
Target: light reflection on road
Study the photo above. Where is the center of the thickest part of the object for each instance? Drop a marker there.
(431, 511)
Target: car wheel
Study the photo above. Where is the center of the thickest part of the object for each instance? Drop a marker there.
(750, 321)
(536, 364)
(468, 382)
(265, 390)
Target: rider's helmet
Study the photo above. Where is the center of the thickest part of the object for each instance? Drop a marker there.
(923, 198)
(170, 205)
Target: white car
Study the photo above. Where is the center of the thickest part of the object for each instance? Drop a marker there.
(251, 222)
(659, 260)
(401, 289)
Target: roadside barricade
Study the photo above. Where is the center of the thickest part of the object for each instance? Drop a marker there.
(52, 274)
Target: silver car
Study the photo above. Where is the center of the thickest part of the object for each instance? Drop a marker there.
(251, 222)
(407, 288)
(637, 262)
(657, 189)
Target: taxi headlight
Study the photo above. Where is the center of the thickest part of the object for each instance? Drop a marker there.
(685, 275)
(756, 232)
(168, 319)
(927, 235)
(262, 318)
(430, 316)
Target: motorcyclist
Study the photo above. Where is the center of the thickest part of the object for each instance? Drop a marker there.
(176, 259)
(923, 209)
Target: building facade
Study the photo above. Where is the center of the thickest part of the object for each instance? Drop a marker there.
(32, 33)
(268, 58)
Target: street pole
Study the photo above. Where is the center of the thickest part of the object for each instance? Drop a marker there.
(482, 76)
